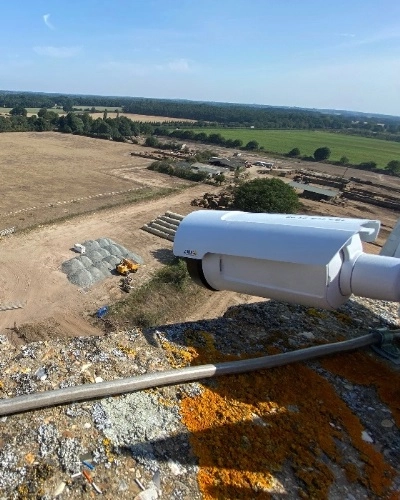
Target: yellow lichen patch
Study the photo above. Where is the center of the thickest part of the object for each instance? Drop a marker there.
(315, 314)
(178, 357)
(127, 350)
(29, 458)
(108, 450)
(248, 426)
(344, 318)
(168, 403)
(363, 369)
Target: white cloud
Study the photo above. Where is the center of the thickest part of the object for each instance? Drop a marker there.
(347, 35)
(58, 52)
(46, 19)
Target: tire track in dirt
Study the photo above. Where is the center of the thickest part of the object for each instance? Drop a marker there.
(31, 262)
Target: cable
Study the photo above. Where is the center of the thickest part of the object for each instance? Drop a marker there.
(111, 388)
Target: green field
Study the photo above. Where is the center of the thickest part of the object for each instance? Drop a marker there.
(33, 111)
(357, 149)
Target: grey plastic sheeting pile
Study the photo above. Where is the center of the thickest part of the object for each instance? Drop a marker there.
(97, 263)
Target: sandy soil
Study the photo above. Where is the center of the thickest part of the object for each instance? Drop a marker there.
(67, 168)
(48, 176)
(31, 264)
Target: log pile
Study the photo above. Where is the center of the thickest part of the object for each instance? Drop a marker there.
(221, 201)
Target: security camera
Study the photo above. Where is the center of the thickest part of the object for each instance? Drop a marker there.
(309, 260)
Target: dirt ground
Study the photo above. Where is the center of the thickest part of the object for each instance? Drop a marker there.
(57, 168)
(31, 263)
(49, 176)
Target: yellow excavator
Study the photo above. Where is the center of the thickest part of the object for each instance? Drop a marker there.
(126, 266)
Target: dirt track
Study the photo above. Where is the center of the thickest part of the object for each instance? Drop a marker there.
(31, 267)
(30, 263)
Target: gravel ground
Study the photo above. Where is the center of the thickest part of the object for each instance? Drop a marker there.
(97, 263)
(141, 445)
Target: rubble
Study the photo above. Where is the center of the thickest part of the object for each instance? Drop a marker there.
(119, 442)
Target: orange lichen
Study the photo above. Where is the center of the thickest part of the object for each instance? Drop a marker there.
(248, 426)
(352, 473)
(361, 368)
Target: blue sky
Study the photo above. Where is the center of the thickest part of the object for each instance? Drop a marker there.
(307, 53)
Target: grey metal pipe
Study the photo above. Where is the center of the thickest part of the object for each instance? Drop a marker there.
(104, 389)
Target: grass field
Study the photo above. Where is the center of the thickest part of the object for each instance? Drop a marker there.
(357, 149)
(31, 111)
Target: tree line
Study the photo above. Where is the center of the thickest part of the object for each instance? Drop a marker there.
(117, 129)
(262, 117)
(43, 100)
(222, 114)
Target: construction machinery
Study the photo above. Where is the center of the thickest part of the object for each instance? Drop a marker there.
(126, 266)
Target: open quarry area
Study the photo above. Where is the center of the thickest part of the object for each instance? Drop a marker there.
(322, 429)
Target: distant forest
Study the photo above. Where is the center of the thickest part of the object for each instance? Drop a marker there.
(116, 129)
(211, 114)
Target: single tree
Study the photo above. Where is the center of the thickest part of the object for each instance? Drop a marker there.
(322, 154)
(67, 107)
(393, 167)
(201, 136)
(293, 153)
(344, 160)
(18, 111)
(266, 195)
(368, 165)
(219, 179)
(252, 146)
(237, 143)
(41, 125)
(151, 142)
(216, 139)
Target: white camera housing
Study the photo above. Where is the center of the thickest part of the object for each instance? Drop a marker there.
(309, 260)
